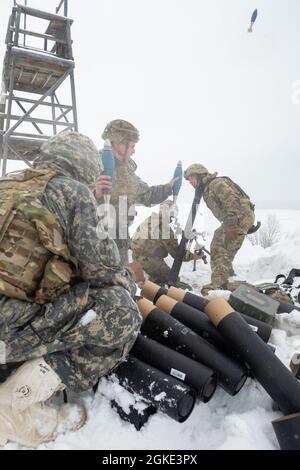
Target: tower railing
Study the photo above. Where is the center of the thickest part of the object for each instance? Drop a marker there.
(38, 60)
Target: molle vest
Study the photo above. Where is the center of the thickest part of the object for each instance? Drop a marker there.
(35, 263)
(241, 191)
(227, 202)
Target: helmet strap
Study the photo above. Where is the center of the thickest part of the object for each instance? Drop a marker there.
(126, 148)
(122, 155)
(201, 183)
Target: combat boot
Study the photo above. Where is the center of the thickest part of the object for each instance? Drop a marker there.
(71, 417)
(208, 287)
(24, 416)
(183, 285)
(211, 286)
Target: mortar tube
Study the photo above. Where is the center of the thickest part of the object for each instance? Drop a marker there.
(161, 327)
(166, 393)
(202, 379)
(285, 307)
(272, 374)
(153, 292)
(200, 323)
(287, 430)
(199, 303)
(295, 369)
(195, 319)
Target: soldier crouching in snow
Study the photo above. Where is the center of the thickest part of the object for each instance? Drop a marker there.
(153, 241)
(66, 304)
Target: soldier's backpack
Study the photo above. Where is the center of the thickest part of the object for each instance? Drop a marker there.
(35, 263)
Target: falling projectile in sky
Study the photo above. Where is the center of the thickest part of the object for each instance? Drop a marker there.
(253, 18)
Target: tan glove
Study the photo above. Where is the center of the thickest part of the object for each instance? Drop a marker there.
(137, 270)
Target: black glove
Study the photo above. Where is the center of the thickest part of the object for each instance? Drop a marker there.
(254, 228)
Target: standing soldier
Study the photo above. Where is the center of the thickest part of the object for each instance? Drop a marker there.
(233, 208)
(127, 189)
(153, 241)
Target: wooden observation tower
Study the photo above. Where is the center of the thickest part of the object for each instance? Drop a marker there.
(37, 101)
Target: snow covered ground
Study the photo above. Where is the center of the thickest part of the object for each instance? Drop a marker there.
(240, 422)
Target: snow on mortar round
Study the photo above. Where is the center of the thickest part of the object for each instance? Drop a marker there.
(201, 378)
(166, 393)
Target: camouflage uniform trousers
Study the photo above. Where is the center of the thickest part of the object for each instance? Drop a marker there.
(80, 348)
(223, 250)
(155, 267)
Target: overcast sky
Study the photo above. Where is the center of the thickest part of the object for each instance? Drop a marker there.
(198, 86)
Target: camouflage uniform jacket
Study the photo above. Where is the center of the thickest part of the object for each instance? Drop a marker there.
(132, 190)
(98, 260)
(54, 330)
(69, 197)
(226, 200)
(155, 239)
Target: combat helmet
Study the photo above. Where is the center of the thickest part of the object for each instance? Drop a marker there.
(119, 131)
(195, 169)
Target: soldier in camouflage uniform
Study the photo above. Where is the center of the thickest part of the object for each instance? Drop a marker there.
(127, 189)
(233, 208)
(153, 241)
(66, 303)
